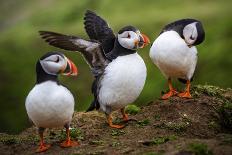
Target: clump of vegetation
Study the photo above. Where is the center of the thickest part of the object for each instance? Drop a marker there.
(10, 139)
(159, 140)
(117, 132)
(208, 90)
(199, 149)
(96, 142)
(132, 109)
(144, 122)
(177, 127)
(115, 144)
(75, 133)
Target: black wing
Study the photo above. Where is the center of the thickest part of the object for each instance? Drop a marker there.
(98, 29)
(92, 51)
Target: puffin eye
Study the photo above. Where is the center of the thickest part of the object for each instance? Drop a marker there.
(192, 38)
(128, 36)
(57, 60)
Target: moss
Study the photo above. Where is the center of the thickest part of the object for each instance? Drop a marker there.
(117, 132)
(160, 140)
(199, 149)
(208, 90)
(115, 144)
(177, 127)
(132, 109)
(10, 139)
(144, 122)
(74, 133)
(96, 142)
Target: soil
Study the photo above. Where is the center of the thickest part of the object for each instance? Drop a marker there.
(174, 127)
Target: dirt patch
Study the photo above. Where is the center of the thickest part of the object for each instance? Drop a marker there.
(177, 126)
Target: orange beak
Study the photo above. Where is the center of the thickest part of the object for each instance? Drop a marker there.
(144, 41)
(70, 69)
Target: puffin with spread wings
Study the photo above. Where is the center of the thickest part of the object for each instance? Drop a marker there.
(119, 71)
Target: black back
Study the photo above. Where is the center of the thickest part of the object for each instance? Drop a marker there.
(179, 25)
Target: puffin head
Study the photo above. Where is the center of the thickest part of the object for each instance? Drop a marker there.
(54, 63)
(194, 33)
(130, 37)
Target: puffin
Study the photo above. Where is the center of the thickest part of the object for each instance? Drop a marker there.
(119, 71)
(174, 52)
(50, 104)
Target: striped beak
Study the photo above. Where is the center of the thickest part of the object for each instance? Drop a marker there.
(70, 68)
(144, 40)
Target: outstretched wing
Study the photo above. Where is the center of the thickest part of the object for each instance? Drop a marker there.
(92, 51)
(98, 29)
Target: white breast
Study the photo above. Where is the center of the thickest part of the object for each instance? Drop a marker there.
(50, 105)
(123, 81)
(172, 56)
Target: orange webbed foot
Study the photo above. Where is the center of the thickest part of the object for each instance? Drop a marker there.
(43, 147)
(185, 94)
(169, 94)
(69, 143)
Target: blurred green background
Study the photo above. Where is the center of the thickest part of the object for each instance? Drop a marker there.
(21, 46)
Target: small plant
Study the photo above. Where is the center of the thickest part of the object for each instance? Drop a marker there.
(177, 127)
(199, 149)
(115, 144)
(117, 132)
(10, 139)
(132, 109)
(160, 140)
(74, 133)
(96, 142)
(208, 90)
(143, 122)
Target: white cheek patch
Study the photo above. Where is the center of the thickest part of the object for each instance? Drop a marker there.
(128, 43)
(50, 67)
(190, 33)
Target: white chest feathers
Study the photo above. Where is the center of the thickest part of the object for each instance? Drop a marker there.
(122, 82)
(50, 105)
(172, 56)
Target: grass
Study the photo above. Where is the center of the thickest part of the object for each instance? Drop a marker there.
(117, 132)
(159, 140)
(144, 122)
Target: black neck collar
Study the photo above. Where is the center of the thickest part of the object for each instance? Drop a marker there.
(42, 76)
(118, 50)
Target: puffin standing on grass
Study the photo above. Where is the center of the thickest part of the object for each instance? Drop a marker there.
(119, 71)
(175, 54)
(49, 104)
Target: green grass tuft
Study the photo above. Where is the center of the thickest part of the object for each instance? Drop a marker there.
(132, 109)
